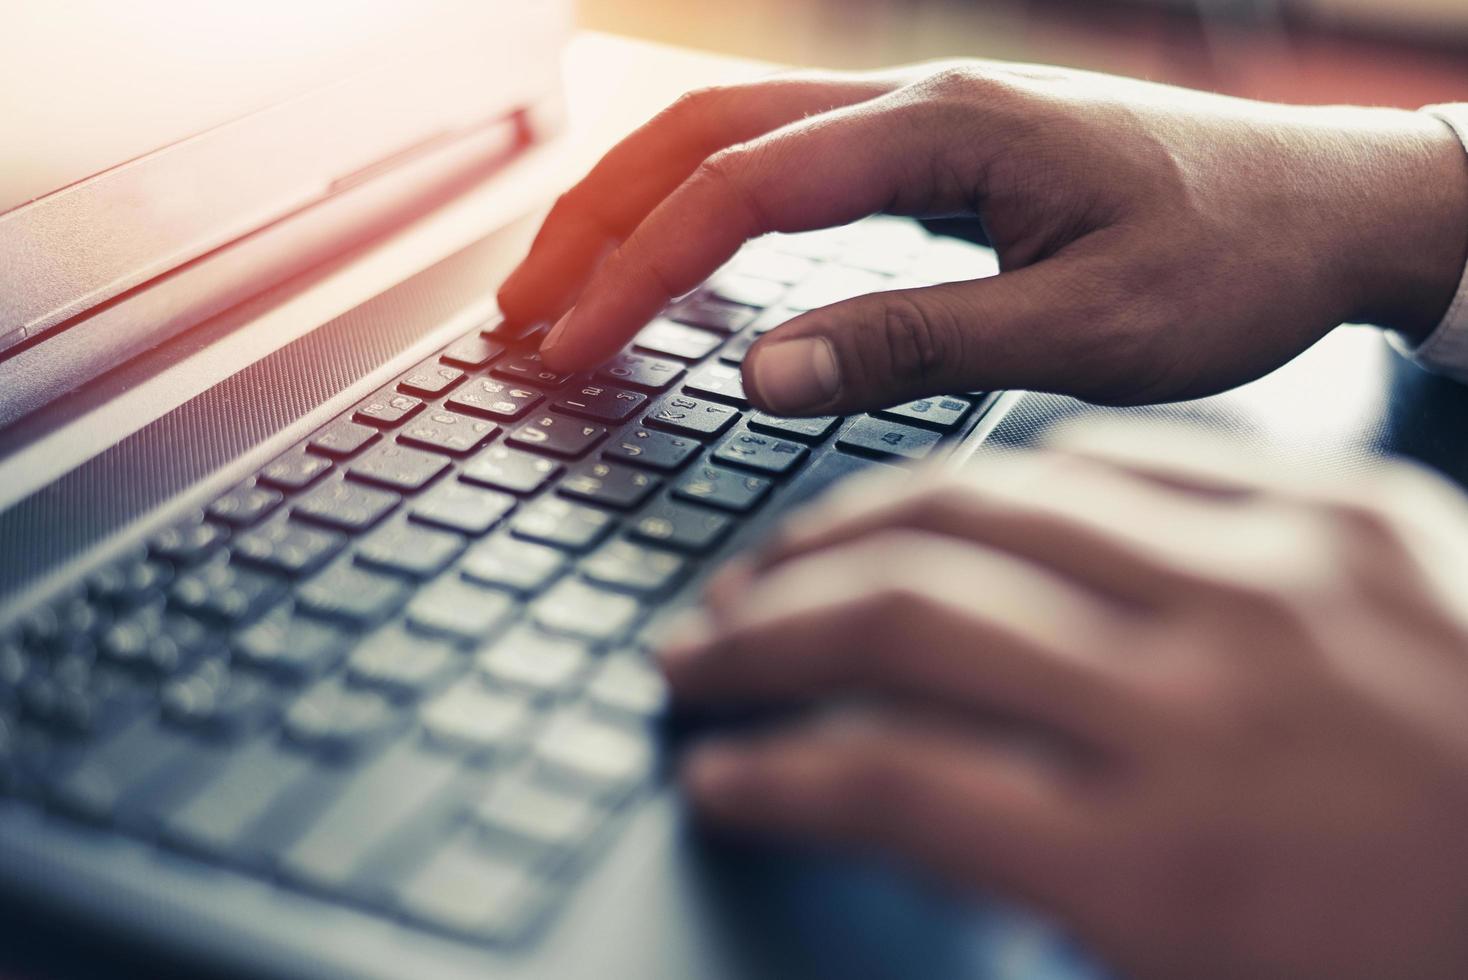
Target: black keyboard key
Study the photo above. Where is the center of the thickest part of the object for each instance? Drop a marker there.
(375, 804)
(58, 625)
(527, 660)
(340, 721)
(737, 348)
(67, 702)
(400, 468)
(409, 549)
(244, 505)
(676, 340)
(812, 429)
(558, 435)
(503, 401)
(346, 506)
(288, 547)
(652, 449)
(448, 432)
(887, 439)
(218, 818)
(405, 664)
(726, 489)
(576, 608)
(225, 590)
(764, 263)
(459, 609)
(518, 333)
(152, 639)
(828, 469)
(712, 314)
(129, 582)
(756, 451)
(291, 646)
(530, 368)
(472, 719)
(188, 541)
(219, 702)
(832, 284)
(353, 595)
(624, 566)
(129, 764)
(692, 417)
(638, 371)
(607, 760)
(553, 521)
(514, 565)
(627, 686)
(601, 403)
(469, 890)
(387, 409)
(609, 485)
(550, 822)
(943, 414)
(463, 508)
(731, 287)
(430, 379)
(294, 470)
(722, 382)
(682, 527)
(510, 469)
(473, 351)
(342, 439)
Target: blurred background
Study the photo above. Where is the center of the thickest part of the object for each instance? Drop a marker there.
(1384, 52)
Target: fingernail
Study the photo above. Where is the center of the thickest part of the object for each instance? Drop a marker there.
(554, 337)
(713, 772)
(798, 375)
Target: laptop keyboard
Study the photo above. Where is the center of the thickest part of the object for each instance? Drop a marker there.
(405, 666)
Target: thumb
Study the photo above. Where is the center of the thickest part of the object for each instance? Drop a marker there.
(1036, 328)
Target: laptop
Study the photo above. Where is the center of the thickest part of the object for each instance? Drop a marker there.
(339, 667)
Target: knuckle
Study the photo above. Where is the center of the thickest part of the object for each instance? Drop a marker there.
(723, 169)
(635, 258)
(728, 175)
(909, 342)
(960, 82)
(694, 108)
(567, 205)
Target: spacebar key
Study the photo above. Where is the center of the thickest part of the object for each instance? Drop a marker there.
(375, 804)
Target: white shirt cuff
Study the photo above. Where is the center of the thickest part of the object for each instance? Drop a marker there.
(1445, 350)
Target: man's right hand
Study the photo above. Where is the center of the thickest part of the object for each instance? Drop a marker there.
(1156, 243)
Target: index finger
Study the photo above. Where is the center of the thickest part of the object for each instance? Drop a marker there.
(640, 171)
(824, 171)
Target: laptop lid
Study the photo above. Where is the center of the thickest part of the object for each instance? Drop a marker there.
(147, 136)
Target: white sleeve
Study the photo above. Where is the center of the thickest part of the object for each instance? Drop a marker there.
(1446, 349)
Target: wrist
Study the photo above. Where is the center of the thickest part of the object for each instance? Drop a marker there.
(1414, 237)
